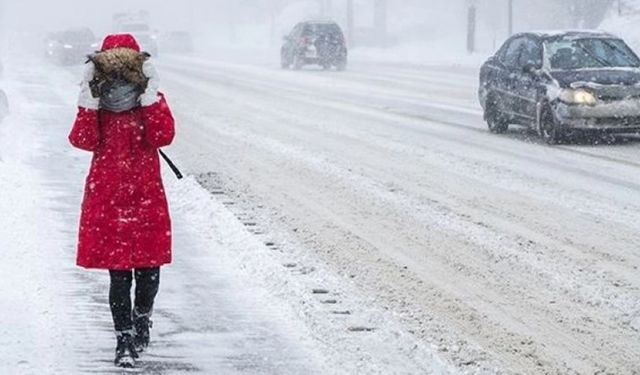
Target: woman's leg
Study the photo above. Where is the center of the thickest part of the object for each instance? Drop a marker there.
(120, 300)
(147, 284)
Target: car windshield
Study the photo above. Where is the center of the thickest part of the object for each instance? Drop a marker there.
(572, 54)
(315, 29)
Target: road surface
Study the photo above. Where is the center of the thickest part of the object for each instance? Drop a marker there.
(505, 254)
(356, 222)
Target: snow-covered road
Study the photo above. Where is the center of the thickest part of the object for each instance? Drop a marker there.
(502, 253)
(360, 222)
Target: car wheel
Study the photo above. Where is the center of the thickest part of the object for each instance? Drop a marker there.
(496, 121)
(298, 62)
(284, 63)
(550, 130)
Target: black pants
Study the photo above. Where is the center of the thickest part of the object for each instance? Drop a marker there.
(147, 284)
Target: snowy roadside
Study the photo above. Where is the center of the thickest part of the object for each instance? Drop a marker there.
(35, 326)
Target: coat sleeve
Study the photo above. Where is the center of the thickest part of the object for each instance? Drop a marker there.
(85, 133)
(159, 125)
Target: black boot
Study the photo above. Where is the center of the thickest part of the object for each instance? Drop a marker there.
(125, 351)
(142, 326)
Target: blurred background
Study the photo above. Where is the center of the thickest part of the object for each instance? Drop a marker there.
(413, 29)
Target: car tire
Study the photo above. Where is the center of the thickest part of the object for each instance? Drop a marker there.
(285, 60)
(298, 62)
(550, 131)
(284, 64)
(496, 121)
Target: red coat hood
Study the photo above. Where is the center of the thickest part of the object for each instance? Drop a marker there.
(120, 41)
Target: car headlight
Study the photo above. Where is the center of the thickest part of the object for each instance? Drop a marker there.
(68, 46)
(579, 96)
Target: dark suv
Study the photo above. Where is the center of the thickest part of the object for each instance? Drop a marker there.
(562, 83)
(315, 42)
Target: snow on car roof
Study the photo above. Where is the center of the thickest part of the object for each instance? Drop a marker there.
(320, 21)
(571, 34)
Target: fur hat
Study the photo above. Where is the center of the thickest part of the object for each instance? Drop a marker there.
(120, 64)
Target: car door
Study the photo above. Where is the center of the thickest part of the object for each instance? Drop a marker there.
(291, 40)
(507, 77)
(490, 72)
(525, 83)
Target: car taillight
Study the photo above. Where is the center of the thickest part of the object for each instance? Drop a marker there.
(305, 41)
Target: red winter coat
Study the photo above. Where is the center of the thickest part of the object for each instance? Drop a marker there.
(125, 221)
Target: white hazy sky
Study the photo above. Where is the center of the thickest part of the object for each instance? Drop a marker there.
(47, 15)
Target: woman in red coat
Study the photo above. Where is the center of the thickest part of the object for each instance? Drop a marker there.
(125, 225)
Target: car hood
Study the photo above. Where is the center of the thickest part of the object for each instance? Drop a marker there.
(597, 77)
(606, 84)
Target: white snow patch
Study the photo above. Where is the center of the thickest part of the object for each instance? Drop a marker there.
(33, 333)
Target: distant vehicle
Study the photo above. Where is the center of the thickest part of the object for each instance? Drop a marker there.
(70, 46)
(4, 105)
(137, 24)
(562, 83)
(177, 42)
(315, 42)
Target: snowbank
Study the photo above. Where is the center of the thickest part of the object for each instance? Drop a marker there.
(31, 312)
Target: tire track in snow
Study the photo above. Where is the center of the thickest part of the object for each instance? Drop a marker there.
(182, 80)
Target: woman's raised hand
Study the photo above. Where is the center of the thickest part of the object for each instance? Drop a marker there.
(150, 96)
(86, 99)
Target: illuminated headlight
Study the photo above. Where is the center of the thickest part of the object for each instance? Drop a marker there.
(68, 46)
(578, 96)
